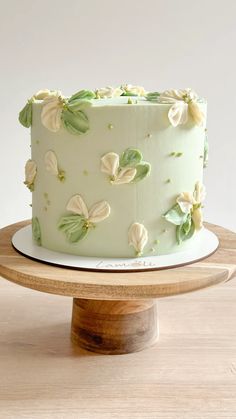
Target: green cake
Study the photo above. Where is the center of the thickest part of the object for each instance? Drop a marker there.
(116, 172)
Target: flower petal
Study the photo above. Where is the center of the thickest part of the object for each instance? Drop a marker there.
(99, 211)
(196, 113)
(197, 218)
(129, 89)
(110, 164)
(108, 92)
(171, 96)
(77, 205)
(199, 192)
(51, 113)
(178, 113)
(50, 161)
(125, 175)
(185, 201)
(138, 237)
(30, 171)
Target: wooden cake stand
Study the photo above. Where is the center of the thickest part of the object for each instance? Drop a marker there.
(116, 313)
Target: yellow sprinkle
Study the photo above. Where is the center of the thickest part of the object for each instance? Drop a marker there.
(85, 172)
(110, 126)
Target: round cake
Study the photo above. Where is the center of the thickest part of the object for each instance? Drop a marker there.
(116, 172)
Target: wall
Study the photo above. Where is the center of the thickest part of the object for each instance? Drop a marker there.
(159, 44)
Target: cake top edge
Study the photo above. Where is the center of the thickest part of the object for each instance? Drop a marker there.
(57, 108)
(128, 90)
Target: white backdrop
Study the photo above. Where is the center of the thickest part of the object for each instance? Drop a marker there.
(87, 44)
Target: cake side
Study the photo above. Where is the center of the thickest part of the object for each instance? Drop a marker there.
(131, 195)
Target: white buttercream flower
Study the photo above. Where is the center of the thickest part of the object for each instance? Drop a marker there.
(192, 203)
(50, 160)
(199, 196)
(199, 193)
(51, 112)
(197, 218)
(185, 201)
(117, 176)
(184, 103)
(98, 212)
(43, 94)
(110, 164)
(30, 174)
(134, 90)
(108, 92)
(138, 237)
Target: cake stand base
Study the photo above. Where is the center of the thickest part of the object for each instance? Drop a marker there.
(114, 327)
(116, 312)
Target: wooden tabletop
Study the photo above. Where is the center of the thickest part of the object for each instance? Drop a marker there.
(189, 374)
(219, 267)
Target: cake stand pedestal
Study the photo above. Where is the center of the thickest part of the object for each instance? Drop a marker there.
(116, 313)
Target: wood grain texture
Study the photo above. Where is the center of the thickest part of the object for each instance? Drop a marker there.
(114, 327)
(189, 374)
(219, 267)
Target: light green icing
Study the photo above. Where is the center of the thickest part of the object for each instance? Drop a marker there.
(130, 158)
(74, 226)
(185, 227)
(75, 122)
(82, 95)
(185, 231)
(36, 231)
(25, 115)
(152, 96)
(146, 201)
(175, 215)
(143, 169)
(176, 154)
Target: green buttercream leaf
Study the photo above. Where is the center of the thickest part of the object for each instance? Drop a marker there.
(176, 216)
(127, 93)
(36, 231)
(78, 104)
(74, 227)
(75, 122)
(152, 96)
(130, 158)
(25, 115)
(185, 231)
(142, 170)
(82, 94)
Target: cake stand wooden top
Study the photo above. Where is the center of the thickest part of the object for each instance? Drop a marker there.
(217, 268)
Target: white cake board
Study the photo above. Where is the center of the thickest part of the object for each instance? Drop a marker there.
(205, 244)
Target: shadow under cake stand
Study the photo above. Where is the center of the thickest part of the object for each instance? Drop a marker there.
(116, 312)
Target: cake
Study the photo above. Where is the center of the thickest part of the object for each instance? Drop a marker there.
(116, 172)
